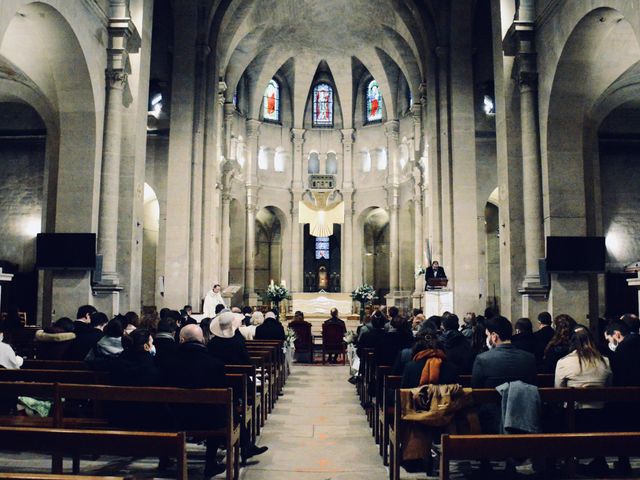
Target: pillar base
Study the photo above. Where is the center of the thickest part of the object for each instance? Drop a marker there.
(107, 299)
(416, 299)
(252, 299)
(108, 280)
(534, 297)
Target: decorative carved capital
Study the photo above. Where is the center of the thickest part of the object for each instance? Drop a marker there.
(392, 129)
(347, 136)
(116, 79)
(229, 109)
(297, 136)
(253, 127)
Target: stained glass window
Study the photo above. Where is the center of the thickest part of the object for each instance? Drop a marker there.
(374, 102)
(322, 248)
(271, 102)
(323, 105)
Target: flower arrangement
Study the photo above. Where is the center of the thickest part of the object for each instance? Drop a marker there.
(290, 339)
(350, 337)
(420, 270)
(276, 293)
(364, 294)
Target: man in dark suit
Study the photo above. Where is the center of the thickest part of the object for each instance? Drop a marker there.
(271, 328)
(544, 334)
(504, 362)
(335, 320)
(435, 271)
(524, 338)
(87, 336)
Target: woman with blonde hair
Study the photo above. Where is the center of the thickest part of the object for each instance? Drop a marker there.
(249, 332)
(558, 346)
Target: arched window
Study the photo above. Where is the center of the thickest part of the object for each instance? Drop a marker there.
(271, 102)
(374, 102)
(314, 163)
(332, 164)
(280, 160)
(263, 158)
(323, 105)
(365, 160)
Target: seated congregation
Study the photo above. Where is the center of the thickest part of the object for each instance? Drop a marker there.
(234, 358)
(426, 384)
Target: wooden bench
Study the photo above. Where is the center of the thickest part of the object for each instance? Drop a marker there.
(98, 395)
(54, 376)
(33, 364)
(475, 447)
(59, 442)
(565, 397)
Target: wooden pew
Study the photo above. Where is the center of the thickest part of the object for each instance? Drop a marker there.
(252, 405)
(33, 364)
(566, 397)
(97, 395)
(386, 413)
(54, 376)
(381, 371)
(229, 434)
(475, 447)
(60, 442)
(267, 375)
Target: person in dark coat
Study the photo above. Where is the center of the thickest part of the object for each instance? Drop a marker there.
(624, 357)
(54, 341)
(428, 349)
(136, 367)
(165, 343)
(86, 338)
(83, 319)
(503, 362)
(227, 344)
(393, 341)
(456, 346)
(271, 329)
(524, 338)
(108, 348)
(544, 334)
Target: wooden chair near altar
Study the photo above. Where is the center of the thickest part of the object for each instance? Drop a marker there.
(333, 342)
(304, 341)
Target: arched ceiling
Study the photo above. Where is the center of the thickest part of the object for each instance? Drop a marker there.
(255, 37)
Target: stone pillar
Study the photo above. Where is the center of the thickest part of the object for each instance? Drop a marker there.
(419, 243)
(226, 236)
(521, 43)
(297, 139)
(346, 270)
(229, 110)
(392, 133)
(120, 30)
(251, 180)
(250, 247)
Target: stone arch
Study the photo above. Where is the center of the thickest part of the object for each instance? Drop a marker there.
(50, 68)
(271, 235)
(373, 232)
(601, 47)
(150, 235)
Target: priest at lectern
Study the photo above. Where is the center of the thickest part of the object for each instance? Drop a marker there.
(435, 276)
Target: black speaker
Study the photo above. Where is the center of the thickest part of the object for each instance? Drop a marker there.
(96, 275)
(542, 269)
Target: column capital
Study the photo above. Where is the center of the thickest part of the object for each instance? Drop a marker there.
(297, 135)
(116, 79)
(392, 129)
(253, 127)
(229, 109)
(347, 135)
(527, 81)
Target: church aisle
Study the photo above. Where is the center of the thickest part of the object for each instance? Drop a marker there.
(318, 430)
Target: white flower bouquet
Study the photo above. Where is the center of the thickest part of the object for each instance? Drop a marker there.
(364, 294)
(420, 270)
(276, 293)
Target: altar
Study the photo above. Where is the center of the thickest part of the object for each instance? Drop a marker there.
(321, 303)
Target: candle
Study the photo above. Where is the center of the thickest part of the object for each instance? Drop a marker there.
(271, 282)
(284, 284)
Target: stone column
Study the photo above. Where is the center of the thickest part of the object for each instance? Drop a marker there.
(520, 43)
(419, 243)
(250, 246)
(120, 30)
(226, 236)
(251, 180)
(347, 258)
(297, 139)
(392, 133)
(229, 110)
